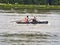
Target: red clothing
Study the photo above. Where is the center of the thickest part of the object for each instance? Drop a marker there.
(26, 19)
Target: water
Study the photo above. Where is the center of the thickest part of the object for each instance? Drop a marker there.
(29, 34)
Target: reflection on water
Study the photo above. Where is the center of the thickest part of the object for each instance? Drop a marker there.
(29, 34)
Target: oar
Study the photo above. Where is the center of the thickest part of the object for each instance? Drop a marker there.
(16, 21)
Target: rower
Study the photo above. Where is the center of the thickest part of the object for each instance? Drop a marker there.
(26, 19)
(34, 20)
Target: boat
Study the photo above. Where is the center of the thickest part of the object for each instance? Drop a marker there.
(39, 22)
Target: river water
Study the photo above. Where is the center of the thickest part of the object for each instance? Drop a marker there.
(29, 34)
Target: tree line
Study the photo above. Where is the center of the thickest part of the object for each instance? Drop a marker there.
(30, 2)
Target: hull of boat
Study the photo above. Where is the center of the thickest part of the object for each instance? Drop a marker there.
(40, 22)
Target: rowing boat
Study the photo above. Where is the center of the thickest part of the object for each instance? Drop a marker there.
(40, 22)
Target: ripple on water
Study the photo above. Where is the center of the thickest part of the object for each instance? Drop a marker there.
(25, 39)
(39, 38)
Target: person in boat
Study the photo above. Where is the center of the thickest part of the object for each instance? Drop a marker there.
(34, 20)
(26, 19)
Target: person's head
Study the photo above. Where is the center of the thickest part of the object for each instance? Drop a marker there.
(27, 16)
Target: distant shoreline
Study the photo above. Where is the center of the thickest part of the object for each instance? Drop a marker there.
(19, 8)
